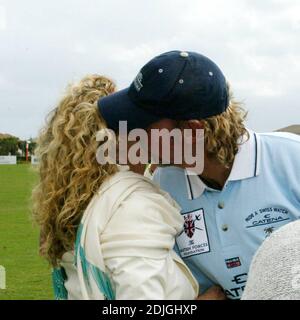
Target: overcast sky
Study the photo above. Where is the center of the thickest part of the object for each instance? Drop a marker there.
(44, 45)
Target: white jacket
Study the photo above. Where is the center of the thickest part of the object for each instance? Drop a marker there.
(135, 245)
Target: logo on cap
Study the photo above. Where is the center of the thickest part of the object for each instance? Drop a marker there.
(138, 82)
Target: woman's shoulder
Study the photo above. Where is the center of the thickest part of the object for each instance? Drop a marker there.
(134, 186)
(139, 200)
(124, 178)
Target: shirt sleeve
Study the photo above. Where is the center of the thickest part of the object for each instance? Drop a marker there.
(137, 248)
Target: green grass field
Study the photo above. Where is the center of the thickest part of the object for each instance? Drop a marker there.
(27, 275)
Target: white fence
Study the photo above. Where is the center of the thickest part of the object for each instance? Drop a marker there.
(2, 278)
(8, 159)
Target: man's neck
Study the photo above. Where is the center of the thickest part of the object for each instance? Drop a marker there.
(214, 174)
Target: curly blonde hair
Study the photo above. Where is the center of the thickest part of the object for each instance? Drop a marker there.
(69, 174)
(223, 132)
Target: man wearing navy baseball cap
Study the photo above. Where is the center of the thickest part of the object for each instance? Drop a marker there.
(249, 186)
(175, 85)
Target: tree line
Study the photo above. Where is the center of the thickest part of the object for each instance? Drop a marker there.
(15, 147)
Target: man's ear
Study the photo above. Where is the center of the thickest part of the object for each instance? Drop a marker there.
(194, 125)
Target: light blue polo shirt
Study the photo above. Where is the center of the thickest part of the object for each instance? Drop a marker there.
(223, 229)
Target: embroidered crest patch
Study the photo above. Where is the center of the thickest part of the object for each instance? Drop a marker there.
(193, 239)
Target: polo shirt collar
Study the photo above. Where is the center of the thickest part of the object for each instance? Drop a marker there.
(246, 165)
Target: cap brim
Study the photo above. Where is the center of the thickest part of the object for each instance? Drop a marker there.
(119, 107)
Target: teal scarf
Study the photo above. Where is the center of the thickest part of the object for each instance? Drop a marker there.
(102, 280)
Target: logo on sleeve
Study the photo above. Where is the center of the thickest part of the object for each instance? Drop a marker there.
(193, 239)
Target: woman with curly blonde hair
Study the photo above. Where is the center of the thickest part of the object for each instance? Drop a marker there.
(107, 232)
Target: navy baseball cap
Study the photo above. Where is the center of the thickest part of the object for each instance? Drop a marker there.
(177, 85)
